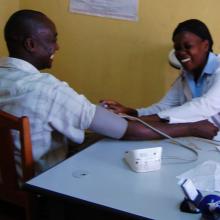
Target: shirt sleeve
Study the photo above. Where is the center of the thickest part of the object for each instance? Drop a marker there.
(70, 113)
(198, 108)
(171, 99)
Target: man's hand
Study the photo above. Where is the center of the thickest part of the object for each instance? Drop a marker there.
(204, 129)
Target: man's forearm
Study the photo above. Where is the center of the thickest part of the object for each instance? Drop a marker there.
(138, 131)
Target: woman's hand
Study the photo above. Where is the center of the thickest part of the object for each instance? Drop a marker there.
(118, 108)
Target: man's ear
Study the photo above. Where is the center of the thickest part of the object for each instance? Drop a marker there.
(29, 44)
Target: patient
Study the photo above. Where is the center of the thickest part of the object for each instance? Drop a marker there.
(194, 95)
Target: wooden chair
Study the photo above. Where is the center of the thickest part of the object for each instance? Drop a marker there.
(10, 191)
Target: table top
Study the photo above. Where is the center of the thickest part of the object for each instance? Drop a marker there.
(99, 175)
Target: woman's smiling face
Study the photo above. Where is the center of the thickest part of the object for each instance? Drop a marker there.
(191, 51)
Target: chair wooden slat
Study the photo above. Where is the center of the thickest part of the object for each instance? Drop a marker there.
(10, 190)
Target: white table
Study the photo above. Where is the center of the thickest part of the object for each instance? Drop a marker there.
(99, 175)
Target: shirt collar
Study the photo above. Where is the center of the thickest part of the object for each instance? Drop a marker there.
(212, 64)
(9, 62)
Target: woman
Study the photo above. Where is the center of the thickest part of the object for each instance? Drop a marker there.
(195, 94)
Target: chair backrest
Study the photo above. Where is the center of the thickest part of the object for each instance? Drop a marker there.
(10, 190)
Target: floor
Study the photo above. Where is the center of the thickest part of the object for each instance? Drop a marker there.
(10, 212)
(61, 210)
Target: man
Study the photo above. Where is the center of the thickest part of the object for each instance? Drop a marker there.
(55, 110)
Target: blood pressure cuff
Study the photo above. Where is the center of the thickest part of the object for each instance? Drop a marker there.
(108, 123)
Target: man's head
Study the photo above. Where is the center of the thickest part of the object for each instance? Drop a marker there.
(30, 35)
